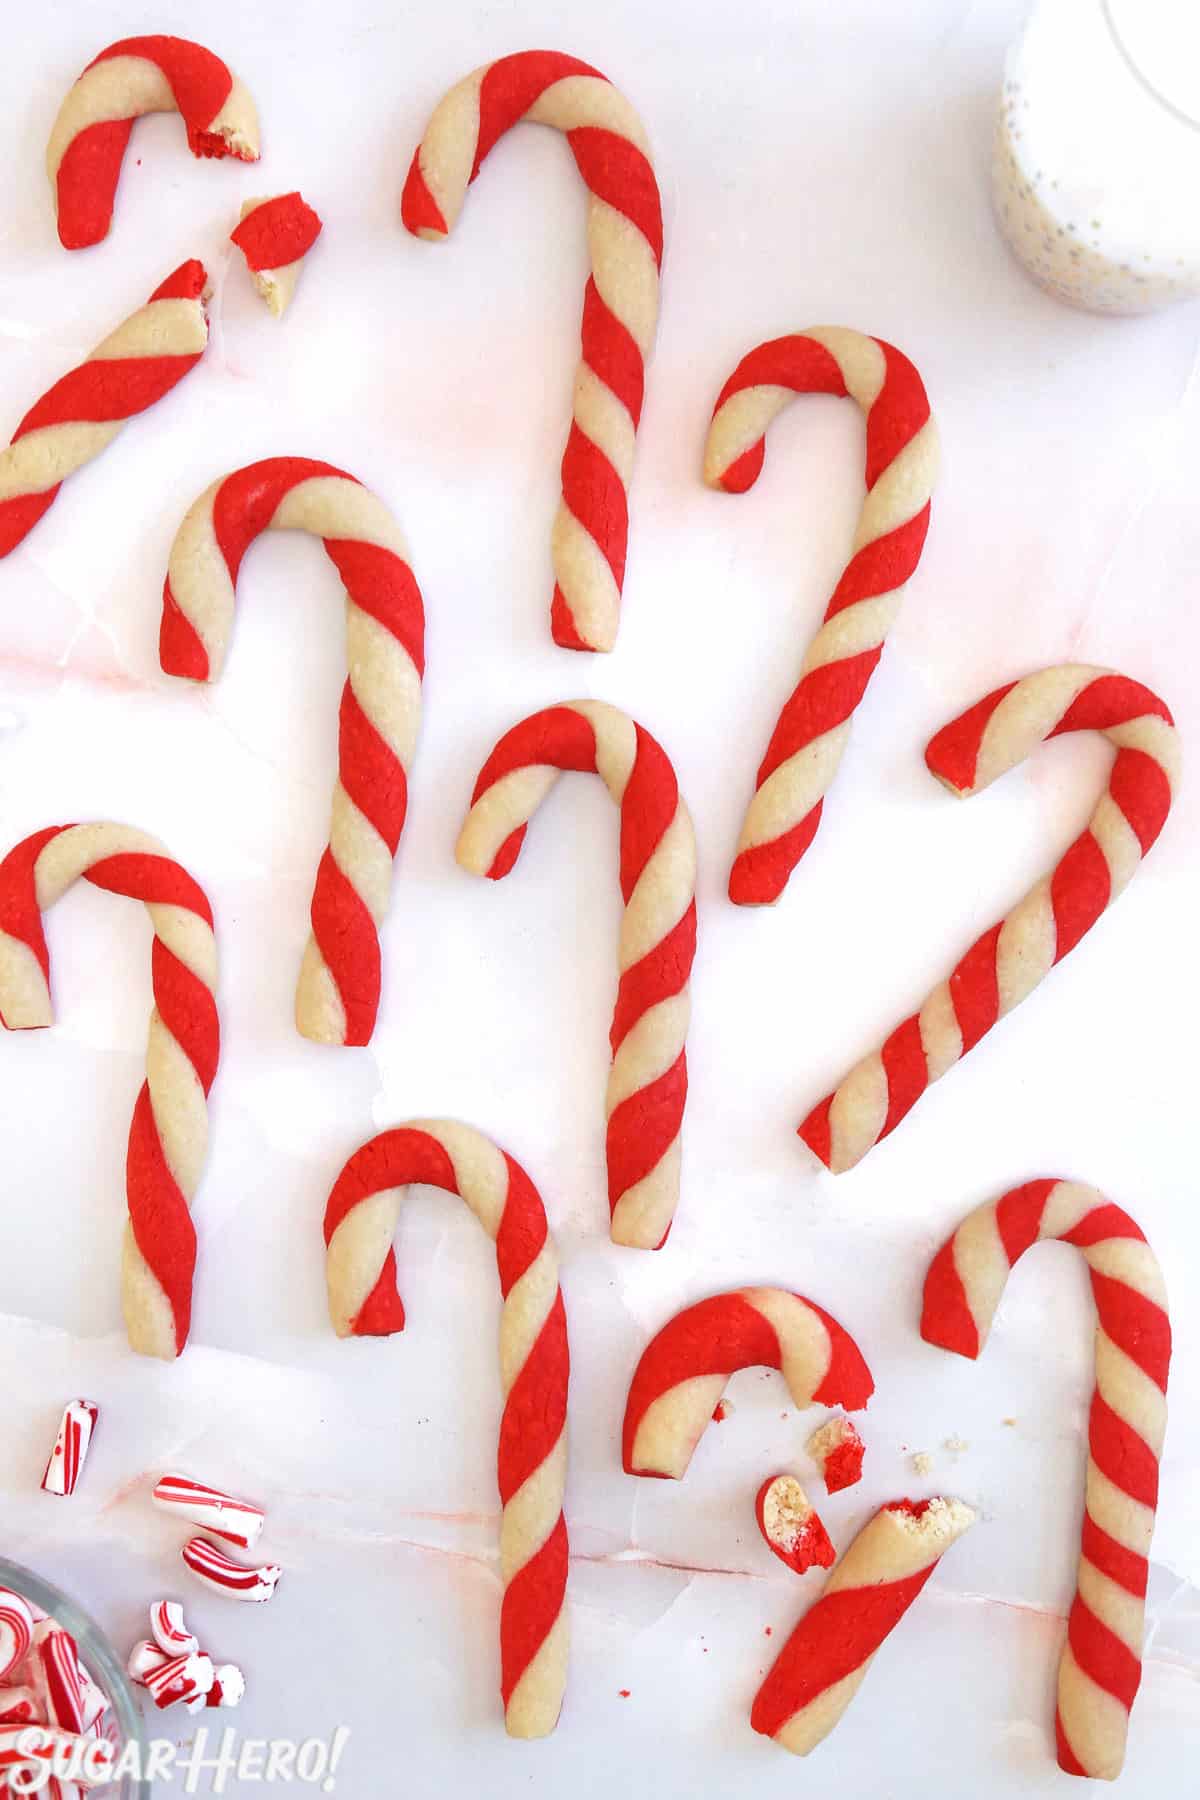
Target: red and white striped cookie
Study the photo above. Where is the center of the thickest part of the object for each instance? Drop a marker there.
(1011, 958)
(620, 305)
(821, 1667)
(811, 733)
(684, 1368)
(84, 411)
(337, 996)
(360, 1221)
(225, 1576)
(647, 1083)
(791, 1526)
(275, 235)
(16, 1631)
(236, 1521)
(170, 1629)
(1101, 1664)
(71, 1446)
(135, 76)
(168, 1138)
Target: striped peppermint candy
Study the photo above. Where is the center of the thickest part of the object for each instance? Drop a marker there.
(180, 1679)
(620, 306)
(225, 1576)
(18, 1706)
(71, 1446)
(647, 1083)
(170, 1629)
(360, 1221)
(683, 1370)
(16, 1631)
(236, 1521)
(822, 1666)
(337, 997)
(84, 411)
(1101, 1664)
(143, 1659)
(135, 76)
(228, 1688)
(1010, 959)
(806, 745)
(168, 1138)
(60, 1679)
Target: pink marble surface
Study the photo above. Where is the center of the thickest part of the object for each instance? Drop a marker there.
(817, 165)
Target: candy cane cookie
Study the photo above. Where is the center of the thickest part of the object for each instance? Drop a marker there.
(647, 1083)
(135, 76)
(337, 996)
(84, 411)
(620, 303)
(360, 1221)
(683, 1370)
(1101, 1664)
(812, 731)
(168, 1138)
(821, 1667)
(1010, 959)
(275, 236)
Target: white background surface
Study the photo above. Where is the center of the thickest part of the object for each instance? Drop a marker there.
(818, 164)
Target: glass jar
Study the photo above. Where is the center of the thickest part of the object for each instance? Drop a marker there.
(1096, 162)
(123, 1719)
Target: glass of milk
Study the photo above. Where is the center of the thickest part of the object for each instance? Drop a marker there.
(1096, 165)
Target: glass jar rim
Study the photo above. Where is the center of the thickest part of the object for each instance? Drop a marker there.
(96, 1650)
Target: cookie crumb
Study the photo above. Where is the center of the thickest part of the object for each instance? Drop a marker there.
(922, 1462)
(955, 1445)
(623, 1693)
(722, 1410)
(839, 1450)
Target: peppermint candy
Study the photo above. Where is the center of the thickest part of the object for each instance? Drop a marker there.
(180, 1678)
(71, 1446)
(16, 1631)
(170, 1633)
(237, 1521)
(219, 1572)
